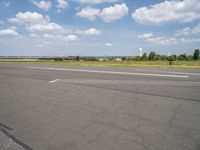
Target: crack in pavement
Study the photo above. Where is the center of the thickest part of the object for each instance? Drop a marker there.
(137, 92)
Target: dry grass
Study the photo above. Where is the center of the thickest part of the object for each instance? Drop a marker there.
(161, 64)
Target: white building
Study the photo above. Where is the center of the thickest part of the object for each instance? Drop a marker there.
(118, 59)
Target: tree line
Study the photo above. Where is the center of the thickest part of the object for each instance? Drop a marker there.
(153, 56)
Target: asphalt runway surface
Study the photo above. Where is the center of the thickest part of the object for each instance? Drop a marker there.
(55, 107)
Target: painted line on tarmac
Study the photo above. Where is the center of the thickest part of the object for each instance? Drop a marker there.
(111, 72)
(53, 81)
(15, 139)
(172, 72)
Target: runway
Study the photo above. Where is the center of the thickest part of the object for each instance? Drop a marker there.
(57, 107)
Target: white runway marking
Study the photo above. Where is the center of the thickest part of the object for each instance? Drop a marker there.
(184, 73)
(53, 81)
(111, 72)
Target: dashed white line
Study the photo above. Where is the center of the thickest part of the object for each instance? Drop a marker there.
(111, 72)
(53, 81)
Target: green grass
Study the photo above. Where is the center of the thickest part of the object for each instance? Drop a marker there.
(161, 64)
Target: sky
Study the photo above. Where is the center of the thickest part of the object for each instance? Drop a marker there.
(98, 27)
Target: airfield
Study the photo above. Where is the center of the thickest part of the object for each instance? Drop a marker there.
(57, 107)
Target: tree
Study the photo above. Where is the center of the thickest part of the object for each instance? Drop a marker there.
(92, 59)
(130, 58)
(123, 58)
(172, 58)
(196, 54)
(163, 57)
(144, 57)
(152, 56)
(58, 59)
(182, 57)
(77, 58)
(157, 57)
(137, 58)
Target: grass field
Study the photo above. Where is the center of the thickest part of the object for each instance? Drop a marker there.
(161, 64)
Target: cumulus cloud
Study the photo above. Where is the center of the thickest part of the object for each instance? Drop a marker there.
(95, 1)
(161, 40)
(108, 44)
(63, 38)
(145, 36)
(91, 31)
(189, 40)
(188, 31)
(36, 22)
(38, 25)
(71, 37)
(196, 29)
(115, 12)
(43, 44)
(45, 27)
(168, 11)
(62, 4)
(45, 5)
(28, 18)
(184, 31)
(10, 31)
(108, 14)
(33, 35)
(89, 13)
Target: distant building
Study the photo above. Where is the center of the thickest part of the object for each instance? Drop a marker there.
(100, 59)
(118, 59)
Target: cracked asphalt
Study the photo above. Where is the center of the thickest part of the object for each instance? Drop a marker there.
(93, 111)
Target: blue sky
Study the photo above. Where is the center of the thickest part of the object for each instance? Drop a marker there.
(98, 27)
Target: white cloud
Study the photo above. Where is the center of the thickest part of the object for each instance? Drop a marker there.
(10, 31)
(33, 35)
(168, 11)
(28, 18)
(115, 12)
(45, 27)
(49, 36)
(36, 22)
(91, 31)
(184, 31)
(189, 40)
(145, 36)
(196, 29)
(188, 31)
(108, 14)
(71, 37)
(163, 40)
(43, 44)
(62, 38)
(45, 5)
(62, 4)
(95, 1)
(89, 13)
(171, 40)
(108, 44)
